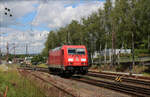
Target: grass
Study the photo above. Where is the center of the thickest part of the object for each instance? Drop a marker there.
(125, 59)
(42, 65)
(18, 86)
(138, 69)
(3, 68)
(146, 74)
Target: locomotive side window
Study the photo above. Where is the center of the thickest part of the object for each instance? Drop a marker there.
(79, 51)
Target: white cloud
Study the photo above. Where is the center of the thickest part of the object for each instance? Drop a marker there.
(51, 13)
(56, 15)
(17, 9)
(21, 39)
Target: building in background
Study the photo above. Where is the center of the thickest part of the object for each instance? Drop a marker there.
(108, 52)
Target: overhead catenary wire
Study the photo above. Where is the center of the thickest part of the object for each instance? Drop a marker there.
(29, 43)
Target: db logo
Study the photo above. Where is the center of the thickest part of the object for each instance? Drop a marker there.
(77, 59)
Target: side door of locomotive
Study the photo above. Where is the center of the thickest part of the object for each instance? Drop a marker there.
(62, 57)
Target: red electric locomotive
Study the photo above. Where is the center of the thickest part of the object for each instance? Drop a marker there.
(69, 59)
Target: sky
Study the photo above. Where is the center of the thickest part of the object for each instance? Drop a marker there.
(32, 20)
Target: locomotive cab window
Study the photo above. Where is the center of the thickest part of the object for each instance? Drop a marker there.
(71, 51)
(78, 51)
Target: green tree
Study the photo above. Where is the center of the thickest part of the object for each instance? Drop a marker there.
(74, 31)
(37, 59)
(50, 43)
(108, 22)
(117, 25)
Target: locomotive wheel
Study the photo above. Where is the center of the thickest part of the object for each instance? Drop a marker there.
(66, 74)
(84, 72)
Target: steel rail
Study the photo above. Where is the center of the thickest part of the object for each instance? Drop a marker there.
(132, 90)
(124, 79)
(129, 89)
(132, 76)
(63, 90)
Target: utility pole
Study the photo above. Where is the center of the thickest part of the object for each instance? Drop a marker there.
(113, 47)
(0, 55)
(26, 49)
(105, 55)
(0, 49)
(14, 53)
(67, 37)
(91, 48)
(148, 41)
(7, 13)
(100, 54)
(7, 53)
(133, 60)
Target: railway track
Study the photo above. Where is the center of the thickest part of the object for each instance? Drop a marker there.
(46, 81)
(132, 90)
(110, 76)
(124, 88)
(131, 76)
(123, 78)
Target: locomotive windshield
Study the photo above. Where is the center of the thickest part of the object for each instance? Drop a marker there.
(71, 51)
(79, 51)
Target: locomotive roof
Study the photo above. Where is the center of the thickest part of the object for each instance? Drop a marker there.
(57, 48)
(74, 46)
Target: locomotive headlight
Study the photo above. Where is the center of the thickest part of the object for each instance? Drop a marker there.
(83, 60)
(70, 59)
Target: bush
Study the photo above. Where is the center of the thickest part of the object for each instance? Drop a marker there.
(18, 86)
(140, 68)
(96, 67)
(37, 59)
(144, 55)
(125, 55)
(142, 51)
(121, 68)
